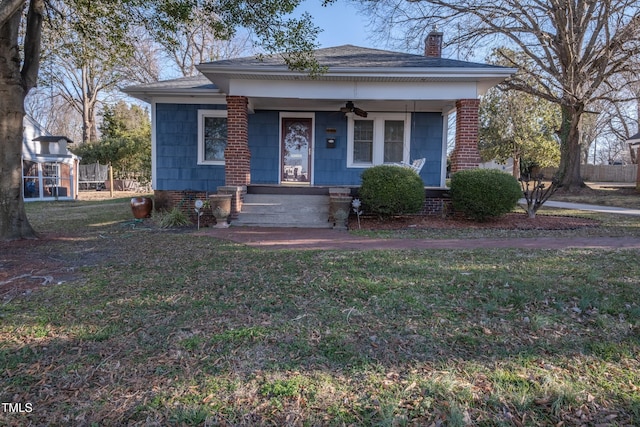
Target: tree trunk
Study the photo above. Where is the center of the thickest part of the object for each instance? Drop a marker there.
(13, 218)
(570, 152)
(516, 156)
(515, 171)
(89, 102)
(85, 106)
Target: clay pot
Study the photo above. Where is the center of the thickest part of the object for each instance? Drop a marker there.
(141, 207)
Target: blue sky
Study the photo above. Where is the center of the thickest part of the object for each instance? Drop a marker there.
(341, 22)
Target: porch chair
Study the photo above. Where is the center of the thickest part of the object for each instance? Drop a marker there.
(416, 165)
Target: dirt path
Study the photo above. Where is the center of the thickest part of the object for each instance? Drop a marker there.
(309, 238)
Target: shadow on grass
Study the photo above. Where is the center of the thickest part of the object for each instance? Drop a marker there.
(178, 329)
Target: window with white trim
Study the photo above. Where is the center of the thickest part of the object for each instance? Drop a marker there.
(212, 136)
(378, 139)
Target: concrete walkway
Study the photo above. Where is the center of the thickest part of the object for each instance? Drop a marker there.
(327, 239)
(593, 208)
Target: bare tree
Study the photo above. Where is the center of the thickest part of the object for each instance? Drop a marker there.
(144, 64)
(20, 60)
(54, 113)
(82, 58)
(616, 121)
(195, 43)
(575, 49)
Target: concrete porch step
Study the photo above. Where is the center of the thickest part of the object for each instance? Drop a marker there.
(283, 210)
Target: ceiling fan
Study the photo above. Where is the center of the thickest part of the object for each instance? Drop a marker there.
(350, 108)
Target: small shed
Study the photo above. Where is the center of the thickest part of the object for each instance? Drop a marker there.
(49, 169)
(634, 140)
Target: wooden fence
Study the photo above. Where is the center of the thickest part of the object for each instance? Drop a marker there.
(603, 173)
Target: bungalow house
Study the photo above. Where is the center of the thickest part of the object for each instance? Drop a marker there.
(49, 169)
(251, 125)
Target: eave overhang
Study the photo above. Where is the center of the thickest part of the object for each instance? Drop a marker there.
(188, 87)
(634, 140)
(222, 76)
(149, 94)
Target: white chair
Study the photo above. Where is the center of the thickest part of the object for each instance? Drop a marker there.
(416, 165)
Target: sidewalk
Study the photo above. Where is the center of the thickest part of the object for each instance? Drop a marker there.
(328, 239)
(592, 208)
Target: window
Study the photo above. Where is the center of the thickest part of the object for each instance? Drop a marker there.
(51, 174)
(393, 141)
(212, 136)
(363, 141)
(378, 139)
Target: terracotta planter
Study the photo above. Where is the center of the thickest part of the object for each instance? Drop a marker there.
(221, 208)
(141, 207)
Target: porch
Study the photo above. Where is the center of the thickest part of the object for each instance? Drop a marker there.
(310, 206)
(298, 206)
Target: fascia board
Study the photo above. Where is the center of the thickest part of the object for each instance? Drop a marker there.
(355, 90)
(150, 95)
(461, 73)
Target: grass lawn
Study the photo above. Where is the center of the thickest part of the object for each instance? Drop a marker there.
(146, 327)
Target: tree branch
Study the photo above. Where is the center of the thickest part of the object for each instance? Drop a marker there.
(32, 42)
(8, 8)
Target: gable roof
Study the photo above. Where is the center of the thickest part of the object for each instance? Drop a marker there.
(351, 63)
(185, 86)
(352, 57)
(268, 76)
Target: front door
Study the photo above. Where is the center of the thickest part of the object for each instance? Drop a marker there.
(296, 150)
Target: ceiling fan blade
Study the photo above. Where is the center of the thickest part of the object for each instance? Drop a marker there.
(360, 112)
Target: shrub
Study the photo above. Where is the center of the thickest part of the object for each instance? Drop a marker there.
(174, 218)
(481, 194)
(391, 190)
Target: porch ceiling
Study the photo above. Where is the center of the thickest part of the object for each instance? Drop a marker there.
(334, 105)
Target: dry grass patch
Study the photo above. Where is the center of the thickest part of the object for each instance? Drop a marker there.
(156, 327)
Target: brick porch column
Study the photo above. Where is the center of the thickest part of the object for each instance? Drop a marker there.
(237, 164)
(465, 154)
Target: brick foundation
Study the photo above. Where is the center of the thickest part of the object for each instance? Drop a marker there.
(166, 200)
(437, 206)
(437, 202)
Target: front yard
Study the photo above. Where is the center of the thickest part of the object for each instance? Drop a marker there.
(129, 324)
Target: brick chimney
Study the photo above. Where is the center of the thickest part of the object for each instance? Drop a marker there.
(433, 44)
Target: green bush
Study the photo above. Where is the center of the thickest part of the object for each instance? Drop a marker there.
(391, 190)
(481, 194)
(173, 218)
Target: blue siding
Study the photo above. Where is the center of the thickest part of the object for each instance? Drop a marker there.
(264, 134)
(177, 149)
(426, 141)
(331, 163)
